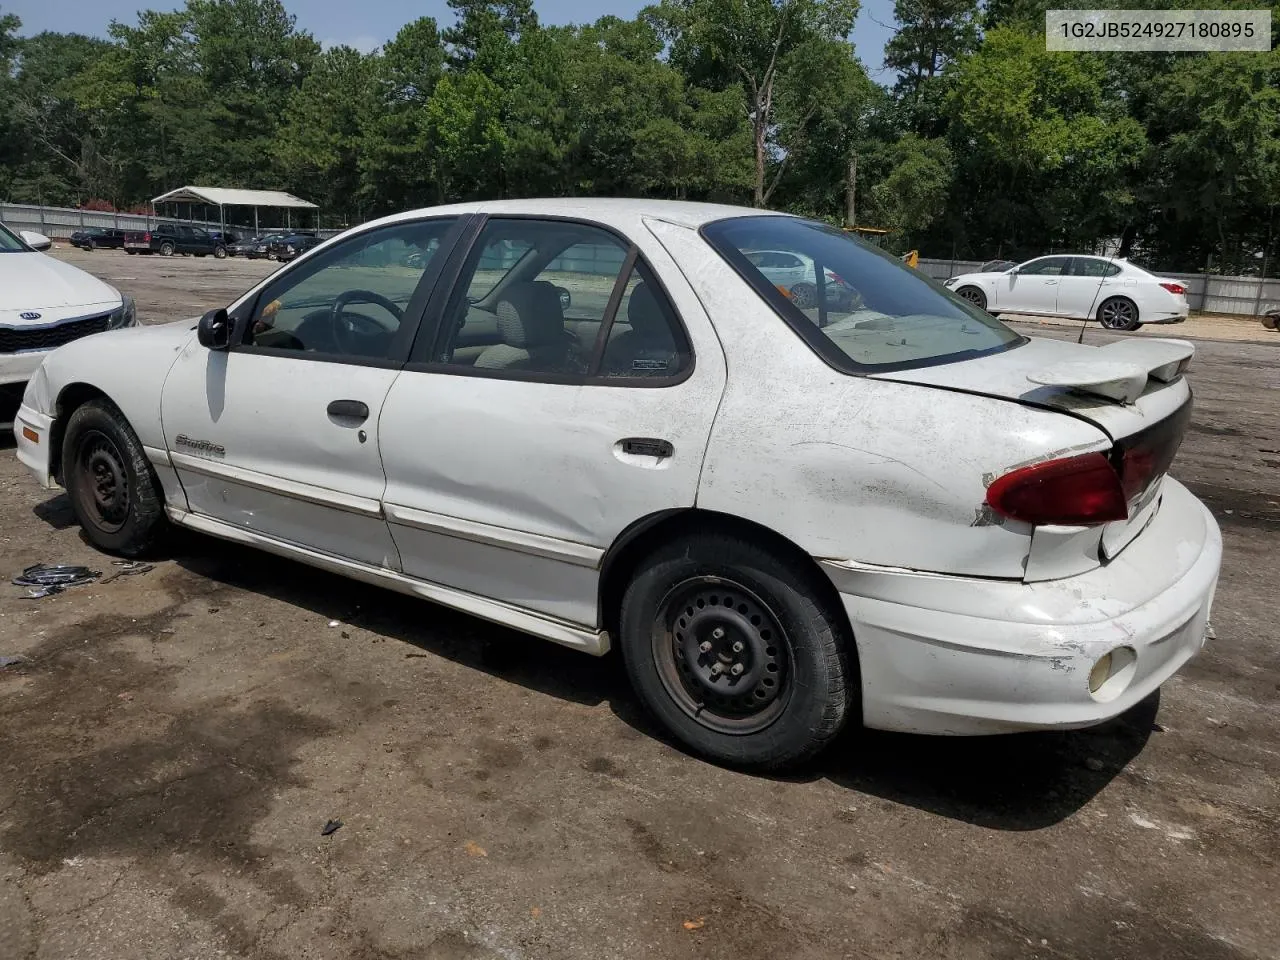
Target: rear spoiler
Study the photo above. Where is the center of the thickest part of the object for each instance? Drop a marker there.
(1121, 369)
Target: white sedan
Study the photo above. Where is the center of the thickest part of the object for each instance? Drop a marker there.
(45, 303)
(900, 512)
(1117, 294)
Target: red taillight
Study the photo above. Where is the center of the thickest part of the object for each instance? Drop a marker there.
(1174, 288)
(1074, 491)
(146, 238)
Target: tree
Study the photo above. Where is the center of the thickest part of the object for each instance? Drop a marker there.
(486, 33)
(322, 134)
(464, 127)
(915, 190)
(759, 46)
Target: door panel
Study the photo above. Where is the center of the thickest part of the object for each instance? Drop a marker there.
(279, 435)
(254, 445)
(504, 483)
(1091, 281)
(1034, 288)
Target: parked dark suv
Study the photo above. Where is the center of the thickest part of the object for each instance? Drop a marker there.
(167, 239)
(94, 238)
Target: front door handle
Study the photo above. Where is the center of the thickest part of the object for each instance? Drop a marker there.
(349, 410)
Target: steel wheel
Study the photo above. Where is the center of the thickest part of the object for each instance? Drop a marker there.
(1118, 314)
(104, 493)
(974, 296)
(722, 656)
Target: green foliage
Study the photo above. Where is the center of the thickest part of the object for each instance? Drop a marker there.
(981, 144)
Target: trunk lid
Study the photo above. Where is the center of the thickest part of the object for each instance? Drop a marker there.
(1132, 390)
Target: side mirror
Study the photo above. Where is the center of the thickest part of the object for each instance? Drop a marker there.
(214, 330)
(36, 241)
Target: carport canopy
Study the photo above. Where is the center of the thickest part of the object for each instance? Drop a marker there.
(223, 197)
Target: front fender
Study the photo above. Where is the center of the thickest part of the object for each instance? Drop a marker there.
(128, 366)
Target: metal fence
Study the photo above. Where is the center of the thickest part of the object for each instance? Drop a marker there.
(59, 223)
(1206, 292)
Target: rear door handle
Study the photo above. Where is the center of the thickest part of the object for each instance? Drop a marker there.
(646, 447)
(349, 410)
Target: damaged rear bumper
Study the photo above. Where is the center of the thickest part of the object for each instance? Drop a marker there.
(954, 655)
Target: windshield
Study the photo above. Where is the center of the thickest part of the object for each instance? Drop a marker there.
(859, 308)
(9, 242)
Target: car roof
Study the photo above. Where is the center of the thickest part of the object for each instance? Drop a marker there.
(602, 209)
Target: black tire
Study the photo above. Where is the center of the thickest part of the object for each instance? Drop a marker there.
(167, 249)
(798, 668)
(131, 252)
(93, 245)
(1271, 321)
(1118, 313)
(113, 490)
(220, 252)
(974, 295)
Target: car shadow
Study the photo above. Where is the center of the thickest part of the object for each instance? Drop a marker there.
(56, 512)
(1017, 783)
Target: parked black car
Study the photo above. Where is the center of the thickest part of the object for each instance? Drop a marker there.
(95, 238)
(254, 248)
(167, 239)
(293, 245)
(226, 237)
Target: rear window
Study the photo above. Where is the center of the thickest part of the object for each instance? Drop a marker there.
(862, 310)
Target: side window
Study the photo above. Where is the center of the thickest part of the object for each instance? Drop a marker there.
(1046, 267)
(538, 297)
(350, 300)
(1093, 267)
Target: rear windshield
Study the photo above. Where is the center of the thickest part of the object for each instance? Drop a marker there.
(861, 309)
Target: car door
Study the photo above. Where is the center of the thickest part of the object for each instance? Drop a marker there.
(279, 434)
(1085, 286)
(1034, 287)
(512, 468)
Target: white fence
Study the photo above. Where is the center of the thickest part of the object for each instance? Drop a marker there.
(1206, 292)
(60, 222)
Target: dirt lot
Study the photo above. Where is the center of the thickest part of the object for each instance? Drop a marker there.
(176, 741)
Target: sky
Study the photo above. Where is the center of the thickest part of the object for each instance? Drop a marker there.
(369, 23)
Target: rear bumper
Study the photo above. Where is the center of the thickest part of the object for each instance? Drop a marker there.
(950, 655)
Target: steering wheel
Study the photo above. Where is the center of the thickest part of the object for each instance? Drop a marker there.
(344, 325)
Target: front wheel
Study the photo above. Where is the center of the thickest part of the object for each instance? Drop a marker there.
(113, 490)
(1119, 313)
(737, 652)
(974, 296)
(93, 245)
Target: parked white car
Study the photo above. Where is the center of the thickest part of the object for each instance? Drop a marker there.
(1117, 294)
(45, 303)
(902, 513)
(796, 275)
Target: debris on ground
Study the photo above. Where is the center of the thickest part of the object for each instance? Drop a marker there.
(474, 849)
(694, 924)
(55, 575)
(127, 568)
(43, 592)
(331, 827)
(11, 661)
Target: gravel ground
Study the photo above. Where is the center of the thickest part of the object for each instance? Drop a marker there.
(175, 742)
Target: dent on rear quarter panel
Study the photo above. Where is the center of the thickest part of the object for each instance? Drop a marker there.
(851, 468)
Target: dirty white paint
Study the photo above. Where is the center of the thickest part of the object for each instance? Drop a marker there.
(502, 497)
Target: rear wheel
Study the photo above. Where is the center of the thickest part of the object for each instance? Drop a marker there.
(1271, 321)
(167, 249)
(1119, 313)
(131, 252)
(220, 252)
(113, 489)
(93, 245)
(736, 651)
(804, 295)
(974, 296)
